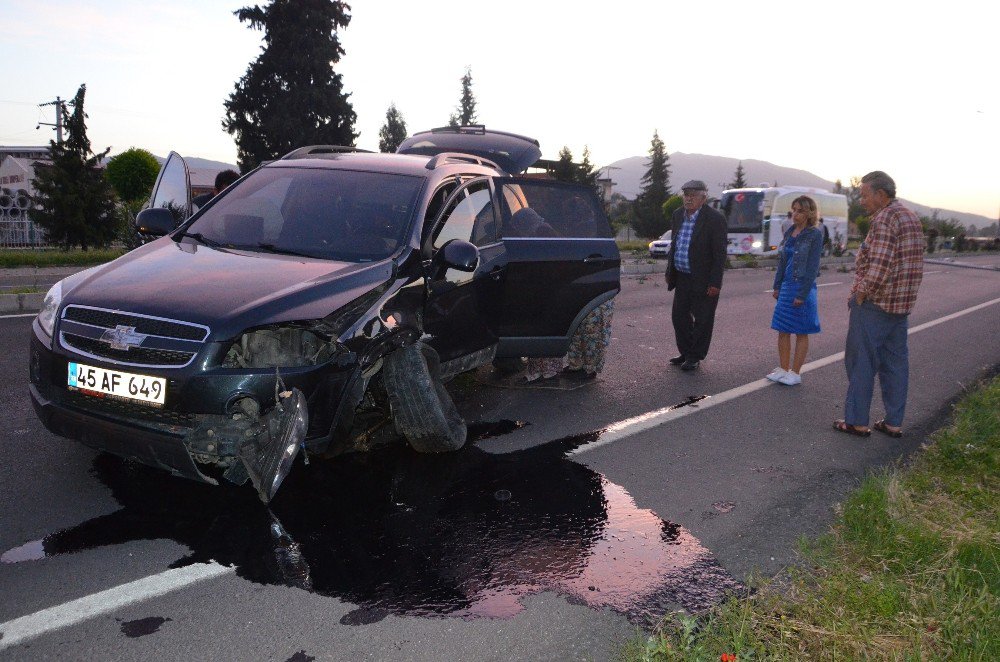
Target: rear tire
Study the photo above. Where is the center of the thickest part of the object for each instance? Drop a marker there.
(422, 410)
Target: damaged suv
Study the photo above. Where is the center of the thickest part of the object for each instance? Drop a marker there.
(319, 303)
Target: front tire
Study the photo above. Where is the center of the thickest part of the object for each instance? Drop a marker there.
(422, 410)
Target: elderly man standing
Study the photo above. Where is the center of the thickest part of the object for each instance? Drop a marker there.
(694, 269)
(889, 268)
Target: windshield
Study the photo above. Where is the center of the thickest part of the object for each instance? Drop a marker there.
(330, 214)
(744, 211)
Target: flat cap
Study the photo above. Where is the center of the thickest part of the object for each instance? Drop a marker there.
(694, 185)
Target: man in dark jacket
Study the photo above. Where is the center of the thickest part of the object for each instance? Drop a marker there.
(694, 270)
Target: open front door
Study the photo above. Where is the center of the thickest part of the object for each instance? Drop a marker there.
(173, 188)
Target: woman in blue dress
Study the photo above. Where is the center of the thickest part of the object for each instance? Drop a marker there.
(795, 289)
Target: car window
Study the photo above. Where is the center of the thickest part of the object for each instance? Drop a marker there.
(549, 209)
(469, 216)
(318, 212)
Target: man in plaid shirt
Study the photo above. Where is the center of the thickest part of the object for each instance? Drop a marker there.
(888, 271)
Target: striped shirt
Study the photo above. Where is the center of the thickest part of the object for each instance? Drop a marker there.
(890, 262)
(681, 260)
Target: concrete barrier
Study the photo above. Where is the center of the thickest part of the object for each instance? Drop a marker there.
(13, 304)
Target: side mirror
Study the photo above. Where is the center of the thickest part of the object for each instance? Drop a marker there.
(461, 255)
(156, 221)
(455, 254)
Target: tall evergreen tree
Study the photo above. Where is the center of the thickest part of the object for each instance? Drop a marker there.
(565, 170)
(290, 95)
(587, 174)
(393, 132)
(466, 110)
(739, 177)
(649, 220)
(74, 203)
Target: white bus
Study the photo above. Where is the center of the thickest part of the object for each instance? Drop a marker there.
(755, 217)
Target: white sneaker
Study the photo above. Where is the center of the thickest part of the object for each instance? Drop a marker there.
(790, 378)
(776, 374)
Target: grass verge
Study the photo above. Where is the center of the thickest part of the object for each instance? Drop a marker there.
(909, 571)
(56, 258)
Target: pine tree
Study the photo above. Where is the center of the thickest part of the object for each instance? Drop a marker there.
(649, 220)
(565, 170)
(586, 173)
(75, 203)
(466, 110)
(739, 178)
(290, 95)
(393, 132)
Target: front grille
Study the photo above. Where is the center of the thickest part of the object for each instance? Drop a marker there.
(128, 410)
(150, 326)
(139, 355)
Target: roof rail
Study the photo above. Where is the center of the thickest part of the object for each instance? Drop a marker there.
(445, 157)
(319, 150)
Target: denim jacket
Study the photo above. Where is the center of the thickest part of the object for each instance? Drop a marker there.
(805, 260)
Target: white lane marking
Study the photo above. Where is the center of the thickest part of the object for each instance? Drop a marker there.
(937, 271)
(839, 282)
(7, 317)
(34, 625)
(649, 420)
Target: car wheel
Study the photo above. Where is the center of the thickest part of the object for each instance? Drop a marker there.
(422, 410)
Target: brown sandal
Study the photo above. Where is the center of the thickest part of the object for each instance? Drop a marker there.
(842, 426)
(885, 429)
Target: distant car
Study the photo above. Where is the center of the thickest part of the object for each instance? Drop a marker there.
(660, 247)
(319, 296)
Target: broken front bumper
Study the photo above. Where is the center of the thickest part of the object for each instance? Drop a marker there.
(170, 437)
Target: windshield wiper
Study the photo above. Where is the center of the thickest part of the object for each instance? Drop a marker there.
(271, 248)
(197, 236)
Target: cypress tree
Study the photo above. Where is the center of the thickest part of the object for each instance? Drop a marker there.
(466, 110)
(649, 220)
(290, 95)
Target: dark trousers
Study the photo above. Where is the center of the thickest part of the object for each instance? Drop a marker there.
(693, 314)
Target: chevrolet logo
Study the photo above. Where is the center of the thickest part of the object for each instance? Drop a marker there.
(123, 337)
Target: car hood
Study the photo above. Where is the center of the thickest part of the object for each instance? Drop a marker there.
(228, 291)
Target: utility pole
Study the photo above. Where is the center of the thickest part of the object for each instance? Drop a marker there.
(58, 103)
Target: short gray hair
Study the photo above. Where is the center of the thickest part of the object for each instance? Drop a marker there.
(879, 181)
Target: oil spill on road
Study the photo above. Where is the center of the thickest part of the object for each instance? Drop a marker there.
(143, 626)
(395, 532)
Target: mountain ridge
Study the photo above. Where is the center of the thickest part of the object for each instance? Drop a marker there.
(715, 170)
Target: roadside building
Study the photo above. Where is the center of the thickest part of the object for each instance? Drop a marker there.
(17, 174)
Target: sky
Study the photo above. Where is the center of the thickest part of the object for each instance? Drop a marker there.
(836, 88)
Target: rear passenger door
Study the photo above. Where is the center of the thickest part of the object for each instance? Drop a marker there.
(561, 261)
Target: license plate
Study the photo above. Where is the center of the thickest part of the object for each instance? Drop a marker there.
(125, 385)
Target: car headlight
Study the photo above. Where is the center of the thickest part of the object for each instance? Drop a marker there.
(757, 244)
(50, 306)
(650, 245)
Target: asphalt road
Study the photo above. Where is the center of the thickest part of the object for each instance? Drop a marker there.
(732, 485)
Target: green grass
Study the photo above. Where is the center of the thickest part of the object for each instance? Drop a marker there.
(909, 571)
(22, 290)
(57, 258)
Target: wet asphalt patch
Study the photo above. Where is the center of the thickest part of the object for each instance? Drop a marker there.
(394, 532)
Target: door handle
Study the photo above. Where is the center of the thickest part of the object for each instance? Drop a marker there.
(590, 259)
